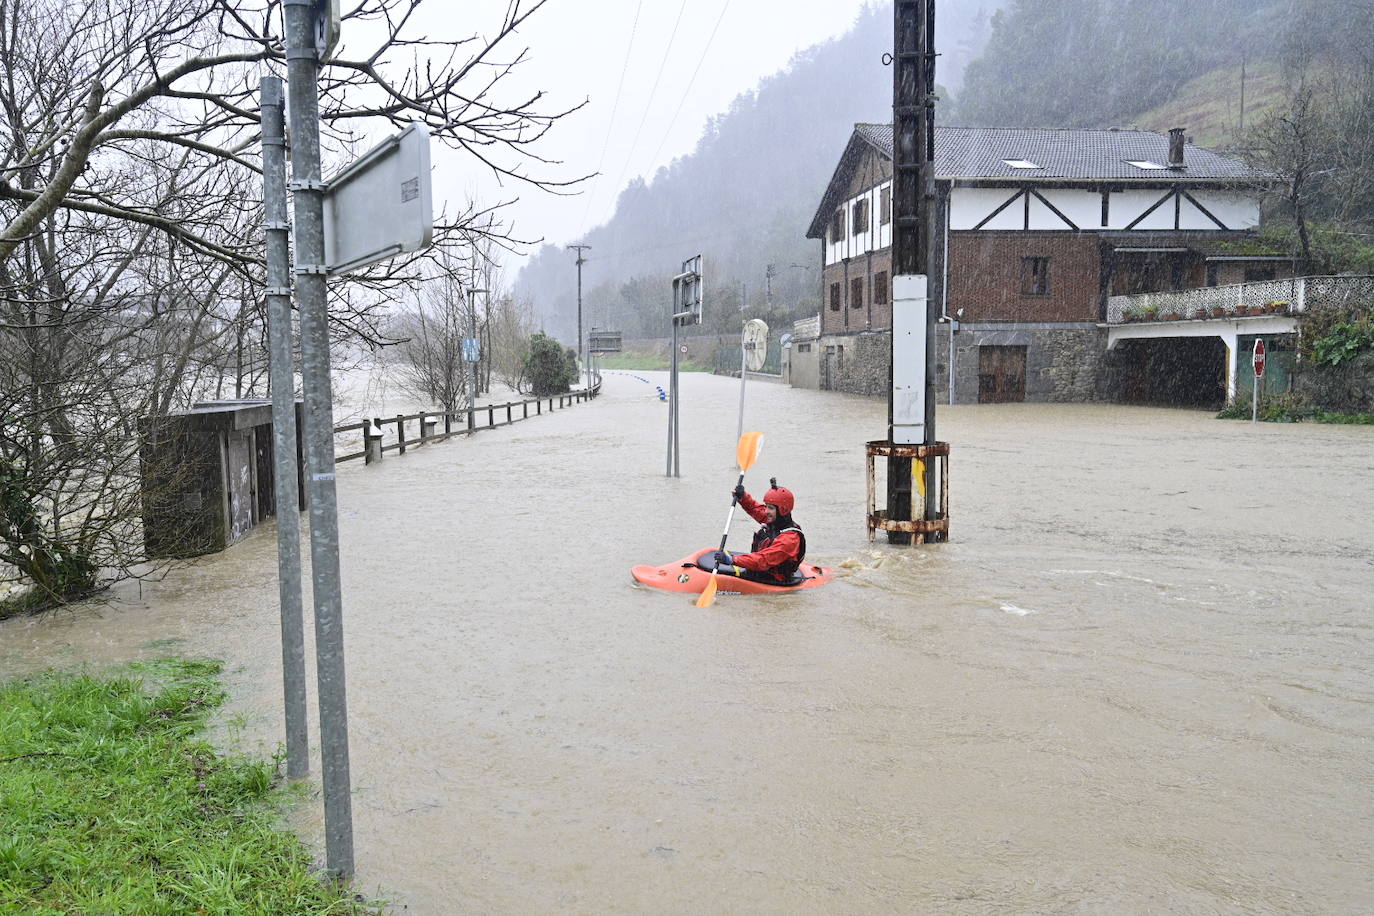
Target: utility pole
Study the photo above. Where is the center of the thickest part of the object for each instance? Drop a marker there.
(915, 216)
(580, 261)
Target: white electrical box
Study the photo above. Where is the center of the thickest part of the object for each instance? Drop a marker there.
(909, 303)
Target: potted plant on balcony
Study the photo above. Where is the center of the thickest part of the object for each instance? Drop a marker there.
(1278, 307)
(1128, 315)
(1149, 312)
(1200, 314)
(1171, 316)
(1218, 311)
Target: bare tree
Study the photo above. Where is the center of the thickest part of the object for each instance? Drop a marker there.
(130, 250)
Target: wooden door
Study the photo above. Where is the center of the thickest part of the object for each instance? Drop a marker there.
(1001, 375)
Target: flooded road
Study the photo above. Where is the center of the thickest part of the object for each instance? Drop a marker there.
(1137, 680)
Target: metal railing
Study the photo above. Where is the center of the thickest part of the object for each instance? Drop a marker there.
(425, 424)
(1297, 294)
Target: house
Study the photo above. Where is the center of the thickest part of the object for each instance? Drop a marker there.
(1044, 231)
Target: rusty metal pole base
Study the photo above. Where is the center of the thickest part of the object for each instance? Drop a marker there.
(924, 530)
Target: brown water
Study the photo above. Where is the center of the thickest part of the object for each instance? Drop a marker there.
(1138, 680)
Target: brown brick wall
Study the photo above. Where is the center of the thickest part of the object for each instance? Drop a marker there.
(985, 276)
(868, 314)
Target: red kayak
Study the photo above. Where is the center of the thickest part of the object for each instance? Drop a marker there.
(686, 576)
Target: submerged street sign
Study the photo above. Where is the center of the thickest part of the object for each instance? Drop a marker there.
(381, 205)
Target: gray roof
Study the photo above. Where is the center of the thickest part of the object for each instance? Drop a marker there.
(978, 153)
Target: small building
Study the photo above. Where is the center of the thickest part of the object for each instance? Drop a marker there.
(1042, 231)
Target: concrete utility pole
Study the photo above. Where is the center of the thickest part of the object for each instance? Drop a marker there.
(303, 69)
(914, 218)
(580, 261)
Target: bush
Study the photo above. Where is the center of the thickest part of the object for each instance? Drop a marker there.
(549, 368)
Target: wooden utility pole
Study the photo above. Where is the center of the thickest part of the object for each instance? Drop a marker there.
(915, 220)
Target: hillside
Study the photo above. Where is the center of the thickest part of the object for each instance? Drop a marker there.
(1210, 105)
(745, 195)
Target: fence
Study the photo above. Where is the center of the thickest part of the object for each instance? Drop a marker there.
(462, 422)
(1299, 293)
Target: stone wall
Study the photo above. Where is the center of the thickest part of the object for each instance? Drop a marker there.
(1347, 388)
(1064, 362)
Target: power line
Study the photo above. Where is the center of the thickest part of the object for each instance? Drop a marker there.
(688, 90)
(667, 54)
(614, 109)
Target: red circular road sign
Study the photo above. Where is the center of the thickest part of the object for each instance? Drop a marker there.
(1259, 357)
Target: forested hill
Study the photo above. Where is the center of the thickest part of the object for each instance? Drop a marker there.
(744, 197)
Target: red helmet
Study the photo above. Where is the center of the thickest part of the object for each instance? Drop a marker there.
(782, 498)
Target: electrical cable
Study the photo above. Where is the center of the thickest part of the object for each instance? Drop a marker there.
(688, 90)
(624, 67)
(667, 54)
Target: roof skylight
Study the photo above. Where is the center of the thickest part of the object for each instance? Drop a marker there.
(1145, 164)
(1022, 164)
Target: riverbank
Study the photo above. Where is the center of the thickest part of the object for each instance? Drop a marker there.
(111, 802)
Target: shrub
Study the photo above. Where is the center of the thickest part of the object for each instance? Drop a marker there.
(549, 368)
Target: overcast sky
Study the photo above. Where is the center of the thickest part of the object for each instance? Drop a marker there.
(641, 112)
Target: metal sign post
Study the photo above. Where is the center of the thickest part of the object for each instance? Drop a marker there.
(472, 355)
(303, 79)
(753, 353)
(278, 294)
(1259, 374)
(687, 300)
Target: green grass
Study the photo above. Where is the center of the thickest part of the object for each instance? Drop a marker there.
(111, 804)
(649, 361)
(1209, 106)
(1285, 413)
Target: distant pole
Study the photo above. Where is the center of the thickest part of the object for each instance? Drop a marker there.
(278, 294)
(472, 363)
(580, 261)
(303, 66)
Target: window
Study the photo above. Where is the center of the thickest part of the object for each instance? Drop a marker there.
(1211, 275)
(1035, 276)
(885, 206)
(856, 293)
(834, 297)
(1258, 274)
(860, 216)
(804, 348)
(837, 225)
(880, 288)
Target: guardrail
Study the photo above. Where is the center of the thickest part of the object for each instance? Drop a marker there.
(459, 423)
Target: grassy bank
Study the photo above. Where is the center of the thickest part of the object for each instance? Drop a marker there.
(110, 803)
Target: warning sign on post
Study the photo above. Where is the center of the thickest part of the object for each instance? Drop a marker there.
(1259, 357)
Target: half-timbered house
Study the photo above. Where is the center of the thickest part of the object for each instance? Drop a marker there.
(1043, 230)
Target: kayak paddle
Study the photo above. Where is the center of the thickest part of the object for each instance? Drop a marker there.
(746, 453)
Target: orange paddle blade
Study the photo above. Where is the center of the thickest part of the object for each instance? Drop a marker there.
(708, 594)
(748, 450)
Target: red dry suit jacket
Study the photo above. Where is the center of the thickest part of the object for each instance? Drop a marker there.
(772, 552)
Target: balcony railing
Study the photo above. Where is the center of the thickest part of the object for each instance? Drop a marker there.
(1297, 294)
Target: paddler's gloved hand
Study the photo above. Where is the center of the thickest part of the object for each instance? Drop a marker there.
(738, 493)
(723, 558)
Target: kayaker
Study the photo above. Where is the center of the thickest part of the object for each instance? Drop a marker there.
(779, 546)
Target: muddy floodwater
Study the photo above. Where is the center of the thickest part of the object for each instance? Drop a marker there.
(1139, 679)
